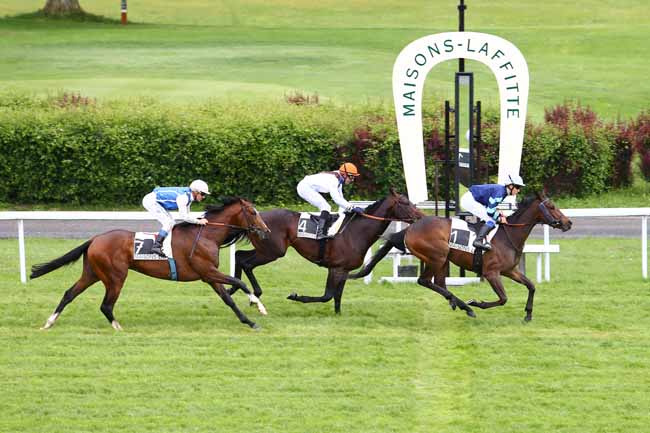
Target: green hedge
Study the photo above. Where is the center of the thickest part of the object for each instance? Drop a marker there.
(115, 153)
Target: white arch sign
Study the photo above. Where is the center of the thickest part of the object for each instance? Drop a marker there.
(409, 73)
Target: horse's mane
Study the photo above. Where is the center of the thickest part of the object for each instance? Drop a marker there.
(523, 205)
(212, 209)
(373, 207)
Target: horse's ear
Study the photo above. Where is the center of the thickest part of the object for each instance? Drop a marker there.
(544, 192)
(392, 191)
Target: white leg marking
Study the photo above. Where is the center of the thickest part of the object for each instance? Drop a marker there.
(50, 321)
(116, 325)
(255, 300)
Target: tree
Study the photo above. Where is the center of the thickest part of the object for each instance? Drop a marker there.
(62, 7)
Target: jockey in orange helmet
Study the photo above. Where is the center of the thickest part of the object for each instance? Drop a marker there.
(331, 182)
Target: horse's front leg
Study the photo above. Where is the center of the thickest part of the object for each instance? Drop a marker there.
(497, 285)
(339, 280)
(517, 276)
(246, 261)
(331, 289)
(217, 279)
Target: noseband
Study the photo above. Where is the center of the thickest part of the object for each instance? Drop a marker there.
(548, 218)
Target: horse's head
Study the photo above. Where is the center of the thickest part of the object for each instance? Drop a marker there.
(551, 214)
(252, 219)
(401, 208)
(240, 213)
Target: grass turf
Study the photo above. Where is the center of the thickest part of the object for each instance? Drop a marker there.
(591, 51)
(397, 359)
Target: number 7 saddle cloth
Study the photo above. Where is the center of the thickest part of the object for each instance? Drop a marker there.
(142, 243)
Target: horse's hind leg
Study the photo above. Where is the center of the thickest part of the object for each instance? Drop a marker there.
(425, 280)
(87, 279)
(113, 289)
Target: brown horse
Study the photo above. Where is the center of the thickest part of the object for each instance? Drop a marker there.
(109, 256)
(428, 239)
(340, 255)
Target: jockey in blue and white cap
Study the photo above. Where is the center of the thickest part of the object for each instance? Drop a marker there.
(167, 198)
(482, 201)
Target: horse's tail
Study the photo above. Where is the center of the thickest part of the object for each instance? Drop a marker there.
(66, 259)
(395, 240)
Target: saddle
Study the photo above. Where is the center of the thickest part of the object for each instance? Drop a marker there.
(462, 237)
(308, 222)
(142, 244)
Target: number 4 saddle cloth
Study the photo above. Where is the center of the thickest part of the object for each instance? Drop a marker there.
(142, 243)
(308, 222)
(462, 235)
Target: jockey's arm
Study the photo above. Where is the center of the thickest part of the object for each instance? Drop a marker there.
(184, 209)
(337, 195)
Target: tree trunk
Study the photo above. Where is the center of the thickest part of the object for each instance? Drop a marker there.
(62, 7)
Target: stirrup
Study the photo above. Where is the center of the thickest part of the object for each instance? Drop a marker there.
(482, 245)
(158, 250)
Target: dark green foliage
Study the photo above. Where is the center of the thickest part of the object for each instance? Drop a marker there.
(641, 134)
(115, 153)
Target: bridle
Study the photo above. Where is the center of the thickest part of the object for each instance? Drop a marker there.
(553, 222)
(548, 218)
(248, 228)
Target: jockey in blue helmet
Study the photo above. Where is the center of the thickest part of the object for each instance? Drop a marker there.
(482, 201)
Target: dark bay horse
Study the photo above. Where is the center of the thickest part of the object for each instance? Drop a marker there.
(109, 256)
(428, 239)
(342, 253)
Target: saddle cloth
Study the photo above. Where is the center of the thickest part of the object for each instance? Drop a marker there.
(142, 243)
(462, 236)
(308, 221)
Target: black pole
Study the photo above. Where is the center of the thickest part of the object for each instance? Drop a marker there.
(461, 28)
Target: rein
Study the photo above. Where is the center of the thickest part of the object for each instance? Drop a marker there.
(547, 217)
(372, 217)
(249, 228)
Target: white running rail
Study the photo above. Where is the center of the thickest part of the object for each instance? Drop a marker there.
(21, 216)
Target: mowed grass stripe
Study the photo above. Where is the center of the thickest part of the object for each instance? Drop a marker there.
(397, 359)
(344, 51)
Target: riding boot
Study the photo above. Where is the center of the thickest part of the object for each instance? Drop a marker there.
(480, 241)
(157, 246)
(321, 228)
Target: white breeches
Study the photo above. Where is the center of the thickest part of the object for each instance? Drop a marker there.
(468, 203)
(313, 197)
(160, 213)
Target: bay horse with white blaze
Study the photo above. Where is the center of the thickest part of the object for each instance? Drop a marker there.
(428, 240)
(109, 256)
(342, 253)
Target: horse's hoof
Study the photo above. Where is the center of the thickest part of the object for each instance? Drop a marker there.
(256, 327)
(527, 319)
(470, 313)
(293, 296)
